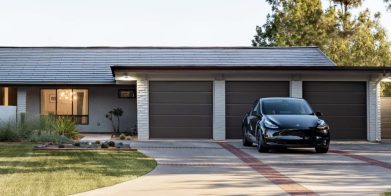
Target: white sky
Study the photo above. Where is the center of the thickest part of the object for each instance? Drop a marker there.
(137, 22)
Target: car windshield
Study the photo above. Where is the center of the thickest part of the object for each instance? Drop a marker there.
(286, 107)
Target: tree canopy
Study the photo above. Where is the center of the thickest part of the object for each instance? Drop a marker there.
(348, 40)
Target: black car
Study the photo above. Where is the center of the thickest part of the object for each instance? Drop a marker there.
(284, 122)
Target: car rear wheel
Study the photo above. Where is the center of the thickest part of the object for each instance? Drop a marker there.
(322, 149)
(260, 146)
(245, 139)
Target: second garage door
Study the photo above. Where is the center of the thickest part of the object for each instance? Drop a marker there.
(343, 105)
(180, 109)
(240, 96)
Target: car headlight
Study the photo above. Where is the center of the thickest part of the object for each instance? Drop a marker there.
(270, 125)
(321, 124)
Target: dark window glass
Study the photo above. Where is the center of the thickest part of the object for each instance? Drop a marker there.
(286, 107)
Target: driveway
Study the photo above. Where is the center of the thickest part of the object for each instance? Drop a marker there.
(227, 168)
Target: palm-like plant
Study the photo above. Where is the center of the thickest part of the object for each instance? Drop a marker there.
(117, 113)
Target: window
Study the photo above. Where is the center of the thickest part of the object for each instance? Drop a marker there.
(8, 96)
(66, 102)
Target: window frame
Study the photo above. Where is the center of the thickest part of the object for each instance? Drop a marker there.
(71, 116)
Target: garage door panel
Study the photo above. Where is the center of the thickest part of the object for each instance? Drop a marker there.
(250, 97)
(238, 109)
(180, 97)
(180, 86)
(240, 96)
(336, 97)
(233, 132)
(343, 105)
(385, 117)
(180, 109)
(181, 132)
(386, 125)
(345, 122)
(334, 86)
(234, 121)
(250, 86)
(340, 109)
(347, 133)
(180, 121)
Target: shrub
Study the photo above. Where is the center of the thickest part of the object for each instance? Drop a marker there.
(49, 137)
(66, 126)
(111, 143)
(76, 144)
(122, 136)
(97, 142)
(9, 132)
(104, 145)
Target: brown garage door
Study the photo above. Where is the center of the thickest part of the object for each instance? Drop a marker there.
(343, 105)
(385, 117)
(240, 96)
(180, 109)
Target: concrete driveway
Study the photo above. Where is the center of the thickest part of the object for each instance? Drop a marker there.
(227, 168)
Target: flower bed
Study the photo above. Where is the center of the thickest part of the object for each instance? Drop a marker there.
(108, 145)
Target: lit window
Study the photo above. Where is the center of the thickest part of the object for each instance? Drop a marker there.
(66, 102)
(7, 96)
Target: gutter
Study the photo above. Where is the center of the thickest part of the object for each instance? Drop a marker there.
(384, 70)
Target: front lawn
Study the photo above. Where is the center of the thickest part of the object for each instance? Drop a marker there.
(27, 172)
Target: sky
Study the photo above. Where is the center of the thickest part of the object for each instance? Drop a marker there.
(137, 22)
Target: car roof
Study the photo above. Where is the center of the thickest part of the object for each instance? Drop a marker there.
(279, 98)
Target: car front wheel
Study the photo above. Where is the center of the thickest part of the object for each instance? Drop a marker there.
(322, 149)
(260, 146)
(244, 138)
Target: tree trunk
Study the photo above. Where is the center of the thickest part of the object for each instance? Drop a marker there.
(118, 124)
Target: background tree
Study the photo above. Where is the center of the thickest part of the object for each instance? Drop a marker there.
(348, 40)
(388, 4)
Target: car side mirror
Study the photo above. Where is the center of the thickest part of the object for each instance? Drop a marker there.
(254, 113)
(319, 113)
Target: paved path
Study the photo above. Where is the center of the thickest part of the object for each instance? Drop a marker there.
(210, 168)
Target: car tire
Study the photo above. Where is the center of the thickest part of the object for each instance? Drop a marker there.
(322, 149)
(260, 146)
(245, 139)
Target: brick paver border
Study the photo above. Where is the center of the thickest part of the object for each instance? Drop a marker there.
(362, 158)
(285, 183)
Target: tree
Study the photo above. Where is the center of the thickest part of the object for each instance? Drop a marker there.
(388, 2)
(347, 40)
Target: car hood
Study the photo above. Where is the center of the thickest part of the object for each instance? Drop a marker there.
(294, 121)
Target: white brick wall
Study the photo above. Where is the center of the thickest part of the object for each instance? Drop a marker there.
(21, 102)
(219, 110)
(143, 108)
(296, 89)
(373, 111)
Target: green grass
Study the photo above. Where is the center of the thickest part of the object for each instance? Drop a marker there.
(27, 172)
(386, 194)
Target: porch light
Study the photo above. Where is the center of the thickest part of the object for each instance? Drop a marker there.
(125, 78)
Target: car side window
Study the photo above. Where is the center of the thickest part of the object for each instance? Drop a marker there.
(256, 107)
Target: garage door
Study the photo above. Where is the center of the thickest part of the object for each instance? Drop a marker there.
(180, 109)
(240, 97)
(385, 117)
(343, 105)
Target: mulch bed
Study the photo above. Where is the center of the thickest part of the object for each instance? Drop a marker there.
(124, 147)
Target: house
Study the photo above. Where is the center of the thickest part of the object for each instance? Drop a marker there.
(185, 92)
